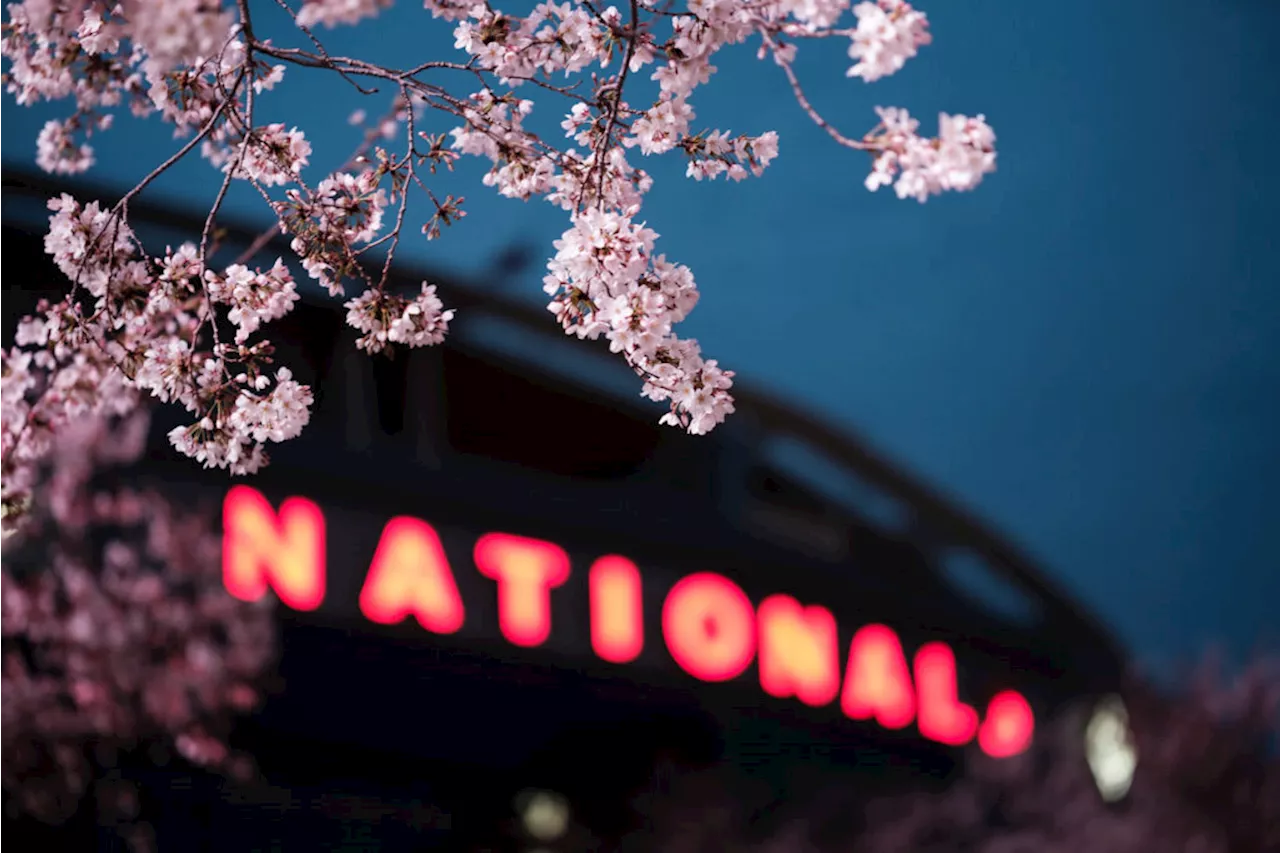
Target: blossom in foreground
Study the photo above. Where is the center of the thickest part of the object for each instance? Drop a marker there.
(917, 167)
(889, 33)
(143, 320)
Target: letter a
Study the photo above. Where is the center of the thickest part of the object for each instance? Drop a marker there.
(261, 549)
(876, 682)
(410, 574)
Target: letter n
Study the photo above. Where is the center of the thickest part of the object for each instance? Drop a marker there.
(262, 548)
(799, 651)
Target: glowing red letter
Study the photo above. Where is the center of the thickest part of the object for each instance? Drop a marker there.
(876, 682)
(1008, 727)
(526, 571)
(410, 574)
(799, 651)
(941, 716)
(617, 615)
(261, 549)
(709, 626)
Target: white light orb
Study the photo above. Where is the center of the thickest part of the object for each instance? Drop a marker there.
(1109, 749)
(545, 815)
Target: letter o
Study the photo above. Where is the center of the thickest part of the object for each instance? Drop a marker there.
(710, 627)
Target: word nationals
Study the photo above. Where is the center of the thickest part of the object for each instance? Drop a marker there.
(709, 625)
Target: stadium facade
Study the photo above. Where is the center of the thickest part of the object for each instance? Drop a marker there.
(497, 572)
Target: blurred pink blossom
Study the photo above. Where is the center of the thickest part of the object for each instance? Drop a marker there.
(116, 629)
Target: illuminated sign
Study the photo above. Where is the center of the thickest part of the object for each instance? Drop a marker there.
(710, 627)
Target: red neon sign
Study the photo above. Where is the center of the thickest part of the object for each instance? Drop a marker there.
(617, 611)
(526, 571)
(876, 682)
(1009, 725)
(710, 627)
(941, 716)
(799, 651)
(410, 575)
(262, 548)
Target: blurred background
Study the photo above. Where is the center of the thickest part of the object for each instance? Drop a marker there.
(1081, 353)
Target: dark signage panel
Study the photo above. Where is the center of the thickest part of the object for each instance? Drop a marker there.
(463, 588)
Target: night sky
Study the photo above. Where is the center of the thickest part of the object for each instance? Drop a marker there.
(1084, 350)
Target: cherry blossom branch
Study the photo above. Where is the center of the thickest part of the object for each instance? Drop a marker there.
(121, 206)
(404, 190)
(320, 47)
(246, 26)
(199, 65)
(371, 135)
(617, 90)
(182, 152)
(798, 91)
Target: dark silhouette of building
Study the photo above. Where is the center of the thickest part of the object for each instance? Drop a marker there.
(388, 737)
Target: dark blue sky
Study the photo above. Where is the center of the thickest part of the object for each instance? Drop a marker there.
(1084, 350)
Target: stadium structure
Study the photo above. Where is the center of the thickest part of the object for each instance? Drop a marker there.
(501, 575)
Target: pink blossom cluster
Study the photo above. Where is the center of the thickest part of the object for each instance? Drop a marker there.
(117, 632)
(962, 153)
(175, 58)
(331, 222)
(388, 318)
(332, 13)
(201, 65)
(272, 157)
(58, 151)
(555, 37)
(132, 323)
(606, 281)
(717, 154)
(255, 297)
(889, 33)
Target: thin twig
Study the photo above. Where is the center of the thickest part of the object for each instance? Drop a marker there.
(607, 142)
(798, 91)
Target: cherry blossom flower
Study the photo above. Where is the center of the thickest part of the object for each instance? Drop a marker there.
(58, 150)
(117, 631)
(334, 13)
(889, 33)
(387, 318)
(956, 159)
(139, 322)
(255, 298)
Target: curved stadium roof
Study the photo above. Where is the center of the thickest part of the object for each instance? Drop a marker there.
(788, 449)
